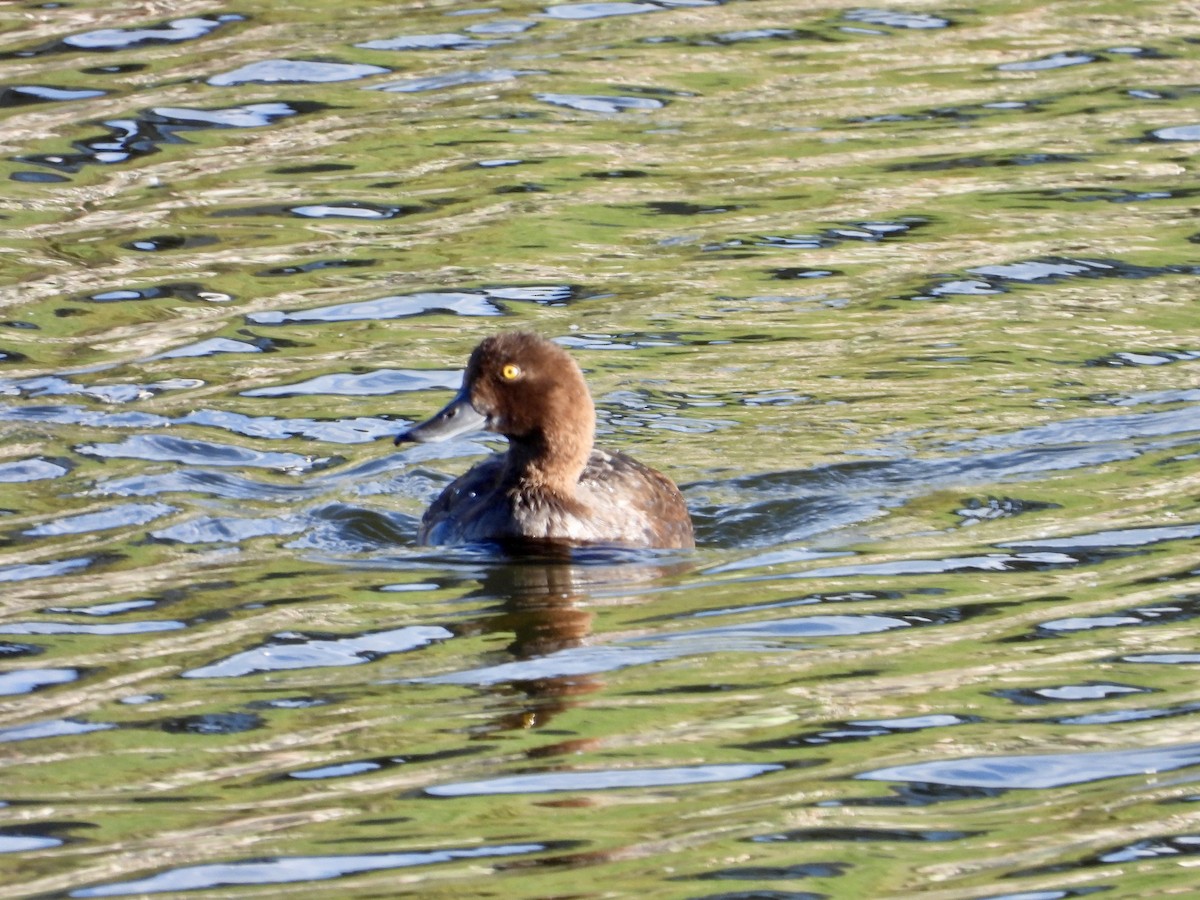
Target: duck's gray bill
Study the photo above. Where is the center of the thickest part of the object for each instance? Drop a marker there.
(457, 417)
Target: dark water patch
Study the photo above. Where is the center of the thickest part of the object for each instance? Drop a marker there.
(54, 386)
(121, 516)
(1105, 195)
(995, 278)
(316, 266)
(1039, 771)
(1050, 894)
(178, 290)
(1135, 52)
(441, 41)
(362, 766)
(103, 609)
(102, 628)
(51, 728)
(1164, 659)
(1140, 851)
(1130, 358)
(399, 306)
(295, 71)
(1146, 398)
(293, 650)
(77, 415)
(684, 208)
(525, 187)
(955, 114)
(143, 135)
(38, 178)
(453, 79)
(295, 869)
(487, 301)
(314, 169)
(860, 836)
(992, 562)
(114, 69)
(141, 699)
(576, 11)
(1069, 693)
(501, 26)
(975, 510)
(1118, 716)
(205, 483)
(863, 730)
(338, 770)
(28, 838)
(1053, 61)
(617, 173)
(334, 431)
(866, 232)
(26, 681)
(168, 448)
(1115, 539)
(603, 779)
(1180, 610)
(631, 340)
(771, 873)
(26, 94)
(1175, 133)
(793, 273)
(381, 382)
(213, 347)
(12, 356)
(35, 468)
(162, 242)
(599, 103)
(350, 209)
(354, 529)
(15, 650)
(289, 703)
(225, 529)
(806, 600)
(31, 571)
(872, 231)
(727, 38)
(105, 40)
(943, 163)
(890, 18)
(211, 723)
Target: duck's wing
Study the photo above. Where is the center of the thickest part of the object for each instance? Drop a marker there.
(465, 511)
(640, 505)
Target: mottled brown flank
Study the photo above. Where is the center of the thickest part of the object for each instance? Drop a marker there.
(551, 484)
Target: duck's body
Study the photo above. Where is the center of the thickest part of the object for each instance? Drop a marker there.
(551, 485)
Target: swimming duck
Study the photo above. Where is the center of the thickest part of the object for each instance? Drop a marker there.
(552, 485)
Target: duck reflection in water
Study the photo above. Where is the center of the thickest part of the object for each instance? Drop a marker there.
(552, 485)
(548, 604)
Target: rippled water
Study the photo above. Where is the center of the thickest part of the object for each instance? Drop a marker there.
(905, 298)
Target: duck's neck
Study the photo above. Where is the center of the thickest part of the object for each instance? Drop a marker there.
(551, 462)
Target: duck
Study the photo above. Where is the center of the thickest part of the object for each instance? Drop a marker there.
(552, 486)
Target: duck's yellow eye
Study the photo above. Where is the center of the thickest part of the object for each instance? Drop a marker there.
(510, 372)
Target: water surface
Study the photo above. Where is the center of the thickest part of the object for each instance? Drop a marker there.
(904, 297)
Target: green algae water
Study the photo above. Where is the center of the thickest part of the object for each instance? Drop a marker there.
(905, 298)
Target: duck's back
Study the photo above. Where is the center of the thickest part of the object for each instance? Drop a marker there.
(618, 501)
